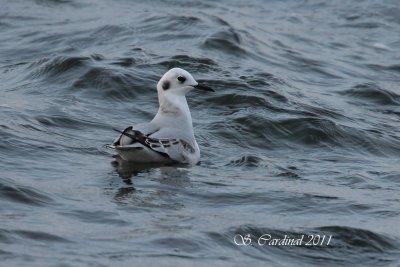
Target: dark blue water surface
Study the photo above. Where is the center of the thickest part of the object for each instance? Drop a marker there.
(301, 137)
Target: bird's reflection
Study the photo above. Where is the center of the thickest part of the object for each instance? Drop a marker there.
(168, 181)
(124, 193)
(127, 169)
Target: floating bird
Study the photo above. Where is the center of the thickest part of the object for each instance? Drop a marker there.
(169, 137)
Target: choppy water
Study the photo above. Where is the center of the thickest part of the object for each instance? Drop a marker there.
(301, 136)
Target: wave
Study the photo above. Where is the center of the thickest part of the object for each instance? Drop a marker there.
(226, 41)
(22, 194)
(13, 236)
(105, 83)
(57, 66)
(197, 64)
(376, 248)
(372, 93)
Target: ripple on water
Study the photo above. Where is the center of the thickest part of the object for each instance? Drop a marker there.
(309, 130)
(247, 161)
(12, 236)
(57, 66)
(282, 99)
(170, 23)
(372, 93)
(239, 100)
(375, 248)
(64, 121)
(199, 64)
(361, 240)
(23, 194)
(225, 41)
(102, 217)
(101, 82)
(257, 130)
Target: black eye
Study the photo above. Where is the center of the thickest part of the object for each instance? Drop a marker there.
(182, 79)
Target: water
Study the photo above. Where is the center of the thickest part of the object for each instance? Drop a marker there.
(300, 138)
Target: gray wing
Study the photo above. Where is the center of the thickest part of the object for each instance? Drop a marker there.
(176, 149)
(181, 147)
(173, 148)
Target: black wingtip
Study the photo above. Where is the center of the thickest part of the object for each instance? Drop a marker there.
(118, 130)
(124, 132)
(139, 137)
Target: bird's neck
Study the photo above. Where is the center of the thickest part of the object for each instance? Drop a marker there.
(174, 106)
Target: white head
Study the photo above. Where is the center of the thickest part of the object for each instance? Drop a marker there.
(177, 82)
(172, 89)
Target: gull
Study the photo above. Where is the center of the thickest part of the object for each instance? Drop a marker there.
(169, 137)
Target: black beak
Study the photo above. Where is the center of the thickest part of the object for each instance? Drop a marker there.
(203, 87)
